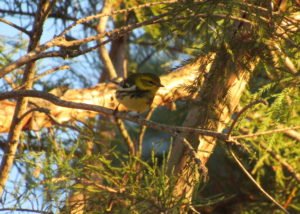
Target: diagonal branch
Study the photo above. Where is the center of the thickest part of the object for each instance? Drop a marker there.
(242, 167)
(241, 112)
(239, 163)
(15, 26)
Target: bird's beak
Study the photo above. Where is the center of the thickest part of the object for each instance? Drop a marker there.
(160, 85)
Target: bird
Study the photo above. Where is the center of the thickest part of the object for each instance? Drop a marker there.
(137, 91)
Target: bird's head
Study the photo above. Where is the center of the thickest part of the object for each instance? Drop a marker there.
(147, 81)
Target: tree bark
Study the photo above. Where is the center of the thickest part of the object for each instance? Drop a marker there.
(212, 109)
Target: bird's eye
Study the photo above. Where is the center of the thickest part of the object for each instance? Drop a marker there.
(150, 81)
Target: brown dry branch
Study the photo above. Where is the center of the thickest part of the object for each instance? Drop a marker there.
(293, 134)
(15, 26)
(24, 210)
(102, 94)
(143, 131)
(63, 67)
(173, 130)
(244, 109)
(126, 136)
(240, 164)
(266, 132)
(176, 131)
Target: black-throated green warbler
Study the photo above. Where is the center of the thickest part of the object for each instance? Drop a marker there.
(137, 91)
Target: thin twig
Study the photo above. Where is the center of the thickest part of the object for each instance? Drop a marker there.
(201, 166)
(126, 136)
(176, 131)
(265, 133)
(63, 67)
(291, 197)
(100, 186)
(143, 131)
(89, 18)
(25, 210)
(63, 125)
(254, 181)
(44, 110)
(242, 167)
(244, 109)
(15, 26)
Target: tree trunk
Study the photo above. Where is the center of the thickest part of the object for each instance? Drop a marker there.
(212, 109)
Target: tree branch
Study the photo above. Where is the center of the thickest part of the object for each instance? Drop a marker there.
(60, 41)
(63, 67)
(241, 112)
(174, 130)
(25, 210)
(101, 29)
(15, 26)
(239, 163)
(265, 133)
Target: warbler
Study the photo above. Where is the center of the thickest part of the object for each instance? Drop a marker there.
(137, 91)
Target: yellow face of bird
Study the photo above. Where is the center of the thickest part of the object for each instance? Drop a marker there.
(147, 82)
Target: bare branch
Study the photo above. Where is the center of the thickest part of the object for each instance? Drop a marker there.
(64, 67)
(239, 163)
(241, 112)
(174, 130)
(25, 210)
(265, 133)
(15, 26)
(143, 131)
(126, 136)
(89, 18)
